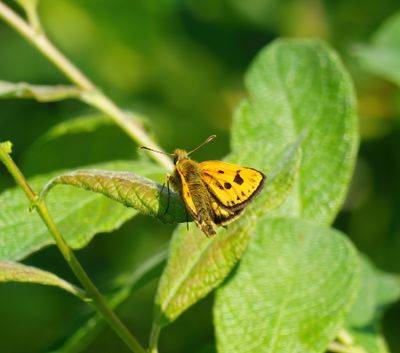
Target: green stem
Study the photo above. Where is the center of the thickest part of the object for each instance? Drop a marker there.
(154, 336)
(90, 94)
(92, 291)
(32, 16)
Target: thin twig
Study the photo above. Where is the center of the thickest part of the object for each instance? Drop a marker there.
(91, 94)
(154, 336)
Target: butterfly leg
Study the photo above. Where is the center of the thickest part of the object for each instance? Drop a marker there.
(169, 193)
(187, 219)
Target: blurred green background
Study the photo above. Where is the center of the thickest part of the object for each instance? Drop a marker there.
(180, 64)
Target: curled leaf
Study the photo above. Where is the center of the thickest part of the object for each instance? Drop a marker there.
(79, 214)
(16, 272)
(142, 194)
(41, 93)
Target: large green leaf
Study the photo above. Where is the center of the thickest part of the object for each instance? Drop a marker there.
(16, 272)
(291, 291)
(382, 55)
(79, 214)
(378, 290)
(299, 91)
(301, 87)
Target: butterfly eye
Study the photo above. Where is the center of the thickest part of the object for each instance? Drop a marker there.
(175, 159)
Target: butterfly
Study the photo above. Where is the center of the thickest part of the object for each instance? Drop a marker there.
(215, 193)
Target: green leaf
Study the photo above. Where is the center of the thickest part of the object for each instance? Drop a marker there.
(382, 56)
(79, 214)
(17, 272)
(40, 93)
(142, 194)
(301, 87)
(291, 292)
(378, 290)
(197, 264)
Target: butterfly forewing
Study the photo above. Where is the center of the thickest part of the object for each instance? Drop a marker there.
(230, 185)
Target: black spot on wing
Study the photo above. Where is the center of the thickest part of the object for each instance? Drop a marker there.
(237, 205)
(227, 185)
(219, 185)
(221, 172)
(238, 179)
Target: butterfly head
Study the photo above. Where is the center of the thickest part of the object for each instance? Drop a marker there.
(180, 155)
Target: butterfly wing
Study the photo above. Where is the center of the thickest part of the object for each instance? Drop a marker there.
(196, 196)
(223, 216)
(180, 184)
(231, 186)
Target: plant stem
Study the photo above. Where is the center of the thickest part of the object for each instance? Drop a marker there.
(90, 94)
(92, 291)
(154, 336)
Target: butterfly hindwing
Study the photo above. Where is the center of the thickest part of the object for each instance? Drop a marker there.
(222, 215)
(230, 185)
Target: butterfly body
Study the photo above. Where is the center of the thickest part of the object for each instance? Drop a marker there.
(215, 193)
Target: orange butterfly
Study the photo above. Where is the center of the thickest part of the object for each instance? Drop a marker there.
(214, 192)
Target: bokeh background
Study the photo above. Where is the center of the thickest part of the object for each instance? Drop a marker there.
(180, 65)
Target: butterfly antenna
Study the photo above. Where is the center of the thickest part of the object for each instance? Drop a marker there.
(149, 149)
(209, 138)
